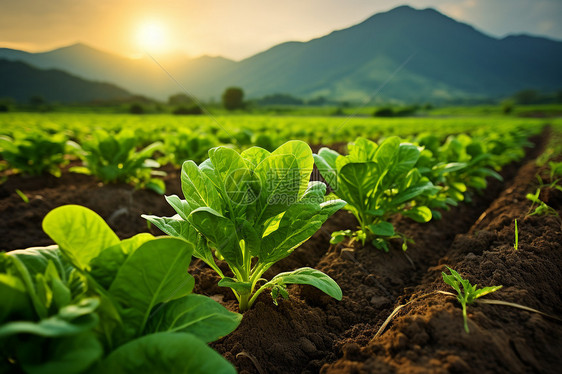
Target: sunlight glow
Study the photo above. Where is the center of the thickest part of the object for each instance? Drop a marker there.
(151, 36)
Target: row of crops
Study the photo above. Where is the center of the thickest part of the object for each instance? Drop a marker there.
(95, 303)
(129, 149)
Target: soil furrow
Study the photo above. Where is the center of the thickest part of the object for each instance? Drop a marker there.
(309, 331)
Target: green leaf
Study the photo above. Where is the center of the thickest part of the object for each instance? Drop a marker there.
(221, 232)
(195, 314)
(412, 192)
(105, 266)
(181, 207)
(80, 233)
(486, 290)
(280, 183)
(311, 277)
(243, 288)
(166, 352)
(408, 155)
(14, 298)
(387, 153)
(298, 224)
(303, 155)
(236, 182)
(64, 355)
(156, 272)
(362, 150)
(36, 260)
(70, 320)
(329, 156)
(178, 228)
(419, 214)
(254, 156)
(357, 182)
(198, 190)
(382, 229)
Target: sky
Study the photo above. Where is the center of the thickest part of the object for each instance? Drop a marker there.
(237, 29)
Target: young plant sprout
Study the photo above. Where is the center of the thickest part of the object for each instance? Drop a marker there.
(516, 245)
(468, 294)
(252, 209)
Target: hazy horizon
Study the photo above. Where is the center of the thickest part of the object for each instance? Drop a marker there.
(230, 30)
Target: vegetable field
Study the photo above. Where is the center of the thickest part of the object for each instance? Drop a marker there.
(280, 245)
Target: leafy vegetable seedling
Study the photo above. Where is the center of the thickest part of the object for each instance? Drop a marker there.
(377, 181)
(468, 294)
(252, 209)
(113, 158)
(35, 153)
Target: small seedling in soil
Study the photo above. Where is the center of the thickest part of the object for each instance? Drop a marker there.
(516, 245)
(542, 208)
(23, 196)
(468, 294)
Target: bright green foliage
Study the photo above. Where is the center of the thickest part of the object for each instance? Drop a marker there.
(113, 158)
(35, 153)
(93, 295)
(185, 145)
(468, 293)
(460, 165)
(377, 181)
(252, 210)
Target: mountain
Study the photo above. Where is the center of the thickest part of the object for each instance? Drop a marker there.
(137, 75)
(442, 59)
(404, 54)
(21, 82)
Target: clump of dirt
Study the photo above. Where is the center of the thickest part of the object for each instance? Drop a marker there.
(120, 205)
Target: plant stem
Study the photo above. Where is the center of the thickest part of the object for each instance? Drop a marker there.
(465, 317)
(244, 305)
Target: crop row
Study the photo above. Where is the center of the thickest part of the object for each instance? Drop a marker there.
(35, 145)
(94, 303)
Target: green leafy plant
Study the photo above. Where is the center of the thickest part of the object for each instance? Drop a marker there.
(185, 145)
(468, 293)
(460, 166)
(377, 181)
(113, 158)
(94, 303)
(35, 153)
(252, 209)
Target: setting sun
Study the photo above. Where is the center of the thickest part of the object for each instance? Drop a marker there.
(151, 37)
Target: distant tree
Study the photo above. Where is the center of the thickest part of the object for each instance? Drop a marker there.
(136, 108)
(318, 101)
(384, 112)
(526, 97)
(507, 106)
(180, 99)
(6, 104)
(188, 110)
(558, 97)
(280, 99)
(37, 100)
(233, 98)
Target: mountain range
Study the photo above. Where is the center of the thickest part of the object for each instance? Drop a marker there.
(404, 55)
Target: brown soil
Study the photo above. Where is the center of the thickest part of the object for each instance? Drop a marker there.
(120, 205)
(313, 333)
